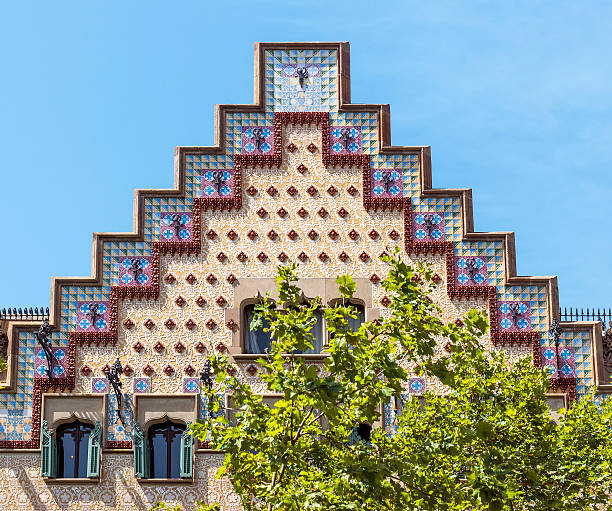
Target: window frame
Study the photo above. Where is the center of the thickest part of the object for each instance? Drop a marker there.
(169, 436)
(249, 305)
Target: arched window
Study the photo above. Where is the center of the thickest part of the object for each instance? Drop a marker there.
(165, 450)
(256, 341)
(317, 332)
(73, 449)
(355, 323)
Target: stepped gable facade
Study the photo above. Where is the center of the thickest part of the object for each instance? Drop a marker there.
(302, 174)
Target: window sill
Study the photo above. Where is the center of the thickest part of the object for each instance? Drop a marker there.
(72, 480)
(254, 356)
(186, 480)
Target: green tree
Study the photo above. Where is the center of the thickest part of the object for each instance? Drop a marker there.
(486, 440)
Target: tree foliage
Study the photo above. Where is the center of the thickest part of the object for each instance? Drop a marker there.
(488, 441)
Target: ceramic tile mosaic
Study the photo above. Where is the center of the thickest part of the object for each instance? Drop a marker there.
(386, 183)
(15, 426)
(57, 363)
(514, 316)
(176, 226)
(368, 124)
(428, 226)
(117, 430)
(471, 271)
(535, 297)
(565, 361)
(316, 92)
(447, 207)
(92, 316)
(217, 183)
(236, 124)
(141, 385)
(191, 385)
(416, 385)
(392, 409)
(157, 208)
(100, 386)
(115, 253)
(492, 252)
(580, 342)
(135, 271)
(72, 298)
(257, 140)
(345, 140)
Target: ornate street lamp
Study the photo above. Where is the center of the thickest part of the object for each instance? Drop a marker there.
(555, 330)
(42, 336)
(116, 370)
(207, 382)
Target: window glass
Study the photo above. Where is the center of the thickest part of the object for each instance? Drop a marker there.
(257, 341)
(317, 331)
(165, 445)
(355, 323)
(72, 449)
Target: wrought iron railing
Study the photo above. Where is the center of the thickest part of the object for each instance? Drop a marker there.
(25, 314)
(603, 315)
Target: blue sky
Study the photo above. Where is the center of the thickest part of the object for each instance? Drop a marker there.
(515, 99)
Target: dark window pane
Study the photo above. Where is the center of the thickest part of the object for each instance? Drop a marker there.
(72, 449)
(355, 323)
(175, 455)
(165, 445)
(83, 452)
(66, 451)
(159, 454)
(257, 341)
(317, 331)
